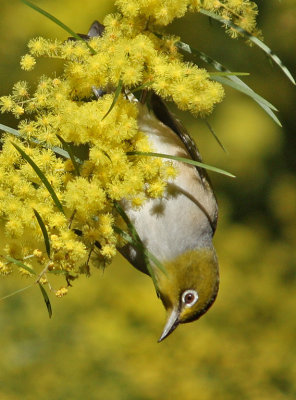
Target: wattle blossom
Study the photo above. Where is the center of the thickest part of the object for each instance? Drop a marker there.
(81, 234)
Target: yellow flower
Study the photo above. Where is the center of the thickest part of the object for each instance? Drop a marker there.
(38, 253)
(5, 269)
(43, 280)
(138, 201)
(156, 188)
(18, 111)
(108, 251)
(20, 90)
(27, 62)
(7, 103)
(61, 292)
(37, 46)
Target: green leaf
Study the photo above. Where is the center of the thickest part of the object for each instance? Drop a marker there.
(105, 154)
(68, 148)
(44, 232)
(124, 235)
(11, 130)
(243, 89)
(236, 83)
(128, 222)
(16, 133)
(20, 264)
(246, 91)
(252, 38)
(42, 177)
(219, 67)
(181, 159)
(59, 23)
(229, 73)
(215, 136)
(144, 86)
(59, 272)
(43, 291)
(46, 299)
(117, 93)
(155, 261)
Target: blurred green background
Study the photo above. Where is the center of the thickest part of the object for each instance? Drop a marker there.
(101, 341)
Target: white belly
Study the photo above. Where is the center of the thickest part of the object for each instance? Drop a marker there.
(182, 219)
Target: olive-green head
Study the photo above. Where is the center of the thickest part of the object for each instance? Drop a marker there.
(189, 287)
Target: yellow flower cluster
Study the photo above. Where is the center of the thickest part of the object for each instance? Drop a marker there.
(77, 214)
(242, 12)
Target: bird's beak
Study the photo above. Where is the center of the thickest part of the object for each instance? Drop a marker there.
(171, 324)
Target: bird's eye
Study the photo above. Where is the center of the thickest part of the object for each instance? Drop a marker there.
(189, 297)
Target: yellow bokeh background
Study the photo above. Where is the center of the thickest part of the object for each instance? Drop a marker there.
(101, 341)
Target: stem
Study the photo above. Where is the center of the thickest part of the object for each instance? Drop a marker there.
(43, 272)
(71, 219)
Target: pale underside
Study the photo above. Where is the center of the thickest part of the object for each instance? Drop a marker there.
(185, 218)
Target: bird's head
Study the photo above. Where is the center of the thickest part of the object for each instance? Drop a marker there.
(189, 287)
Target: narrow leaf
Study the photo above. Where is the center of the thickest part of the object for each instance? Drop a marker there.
(144, 86)
(59, 23)
(117, 93)
(44, 231)
(229, 74)
(42, 177)
(219, 67)
(271, 114)
(16, 133)
(55, 149)
(46, 299)
(215, 136)
(241, 86)
(155, 261)
(106, 154)
(181, 159)
(243, 89)
(124, 235)
(252, 38)
(59, 272)
(128, 222)
(10, 130)
(20, 264)
(68, 148)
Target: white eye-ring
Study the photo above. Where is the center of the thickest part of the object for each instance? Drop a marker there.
(189, 297)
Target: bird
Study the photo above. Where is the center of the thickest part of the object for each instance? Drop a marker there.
(177, 228)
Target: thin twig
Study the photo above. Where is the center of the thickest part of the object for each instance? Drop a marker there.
(43, 272)
(71, 219)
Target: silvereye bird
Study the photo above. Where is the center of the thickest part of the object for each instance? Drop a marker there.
(177, 228)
